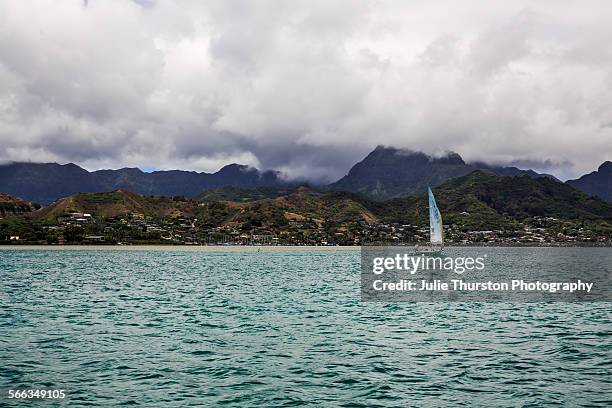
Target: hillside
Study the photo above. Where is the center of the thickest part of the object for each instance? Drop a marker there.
(120, 202)
(10, 205)
(510, 171)
(231, 193)
(303, 216)
(597, 183)
(484, 201)
(303, 205)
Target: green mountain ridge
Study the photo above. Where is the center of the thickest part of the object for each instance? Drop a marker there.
(501, 206)
(484, 201)
(384, 173)
(48, 182)
(231, 193)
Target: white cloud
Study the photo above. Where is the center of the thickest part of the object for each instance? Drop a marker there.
(307, 87)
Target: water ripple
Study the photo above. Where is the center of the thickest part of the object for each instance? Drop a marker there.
(280, 328)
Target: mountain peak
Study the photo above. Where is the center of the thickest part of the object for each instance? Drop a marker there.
(597, 183)
(391, 172)
(606, 167)
(235, 168)
(448, 157)
(382, 150)
(451, 158)
(130, 170)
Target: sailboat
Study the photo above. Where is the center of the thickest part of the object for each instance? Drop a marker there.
(436, 238)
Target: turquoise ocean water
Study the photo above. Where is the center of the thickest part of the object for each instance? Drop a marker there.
(282, 327)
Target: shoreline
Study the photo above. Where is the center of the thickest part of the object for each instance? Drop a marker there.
(256, 248)
(211, 248)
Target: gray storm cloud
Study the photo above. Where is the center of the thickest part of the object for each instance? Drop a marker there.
(306, 87)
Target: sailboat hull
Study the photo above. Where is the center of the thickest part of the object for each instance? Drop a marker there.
(428, 250)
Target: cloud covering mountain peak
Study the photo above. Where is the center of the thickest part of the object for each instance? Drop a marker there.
(306, 88)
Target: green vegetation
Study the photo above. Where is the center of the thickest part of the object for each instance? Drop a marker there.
(508, 207)
(478, 207)
(13, 205)
(238, 194)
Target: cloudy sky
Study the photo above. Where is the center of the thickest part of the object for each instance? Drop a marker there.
(306, 87)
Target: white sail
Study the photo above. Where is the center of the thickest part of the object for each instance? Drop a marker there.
(435, 221)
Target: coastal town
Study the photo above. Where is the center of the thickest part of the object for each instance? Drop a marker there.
(135, 228)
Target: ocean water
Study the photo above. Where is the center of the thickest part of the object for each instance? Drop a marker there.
(282, 327)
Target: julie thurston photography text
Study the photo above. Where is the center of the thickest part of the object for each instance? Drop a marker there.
(398, 271)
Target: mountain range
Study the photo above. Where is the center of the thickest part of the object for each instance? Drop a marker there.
(46, 182)
(476, 207)
(479, 200)
(384, 173)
